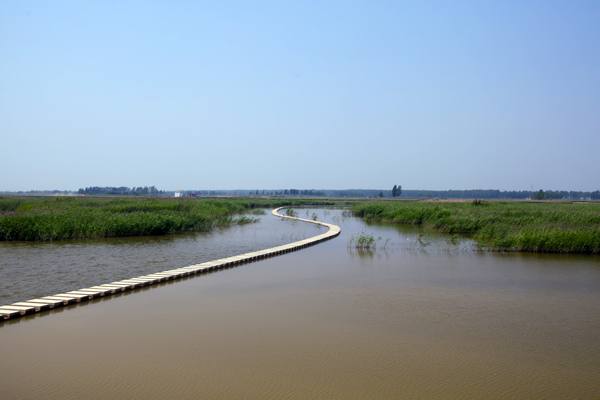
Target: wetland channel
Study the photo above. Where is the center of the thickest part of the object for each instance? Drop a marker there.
(428, 318)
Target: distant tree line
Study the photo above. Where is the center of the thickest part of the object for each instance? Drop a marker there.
(122, 191)
(564, 195)
(289, 192)
(499, 194)
(466, 194)
(358, 193)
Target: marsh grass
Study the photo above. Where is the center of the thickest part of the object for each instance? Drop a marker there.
(505, 226)
(59, 218)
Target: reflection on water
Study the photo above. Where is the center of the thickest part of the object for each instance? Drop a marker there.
(328, 322)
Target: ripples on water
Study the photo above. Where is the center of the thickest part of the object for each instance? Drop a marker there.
(328, 322)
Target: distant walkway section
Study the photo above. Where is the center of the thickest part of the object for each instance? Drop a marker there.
(19, 309)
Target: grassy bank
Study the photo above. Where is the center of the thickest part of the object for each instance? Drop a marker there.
(507, 226)
(57, 218)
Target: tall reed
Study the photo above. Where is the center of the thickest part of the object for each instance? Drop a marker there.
(507, 226)
(56, 218)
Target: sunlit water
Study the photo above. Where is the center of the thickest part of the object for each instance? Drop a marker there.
(411, 321)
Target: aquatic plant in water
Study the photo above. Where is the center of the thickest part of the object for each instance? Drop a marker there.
(290, 212)
(364, 241)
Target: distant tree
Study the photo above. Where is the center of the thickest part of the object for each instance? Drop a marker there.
(380, 194)
(538, 196)
(394, 191)
(595, 195)
(398, 191)
(553, 195)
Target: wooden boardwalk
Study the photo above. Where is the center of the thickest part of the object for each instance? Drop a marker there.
(19, 309)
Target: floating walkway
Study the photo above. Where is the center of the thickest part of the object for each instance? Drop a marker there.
(19, 309)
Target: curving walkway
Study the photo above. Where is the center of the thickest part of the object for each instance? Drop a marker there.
(19, 309)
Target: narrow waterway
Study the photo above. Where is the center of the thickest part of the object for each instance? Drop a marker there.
(35, 269)
(424, 317)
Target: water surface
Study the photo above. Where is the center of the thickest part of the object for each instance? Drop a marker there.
(329, 322)
(36, 269)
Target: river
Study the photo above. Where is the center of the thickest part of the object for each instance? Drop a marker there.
(424, 317)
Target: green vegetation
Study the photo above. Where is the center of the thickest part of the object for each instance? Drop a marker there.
(290, 212)
(364, 241)
(508, 226)
(57, 218)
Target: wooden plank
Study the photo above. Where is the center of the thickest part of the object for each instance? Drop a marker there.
(51, 303)
(38, 307)
(170, 275)
(180, 271)
(148, 281)
(90, 291)
(131, 282)
(116, 288)
(81, 295)
(126, 285)
(64, 300)
(159, 278)
(21, 309)
(106, 289)
(94, 292)
(156, 279)
(9, 312)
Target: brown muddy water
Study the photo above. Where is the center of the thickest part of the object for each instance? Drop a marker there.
(411, 321)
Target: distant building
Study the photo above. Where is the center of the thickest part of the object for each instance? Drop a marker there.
(178, 193)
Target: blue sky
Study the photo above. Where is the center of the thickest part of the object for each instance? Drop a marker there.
(336, 95)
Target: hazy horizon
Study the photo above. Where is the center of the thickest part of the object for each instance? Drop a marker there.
(300, 95)
(311, 188)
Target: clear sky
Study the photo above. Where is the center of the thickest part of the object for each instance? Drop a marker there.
(300, 94)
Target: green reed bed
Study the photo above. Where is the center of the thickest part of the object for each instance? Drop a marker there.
(506, 226)
(56, 218)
